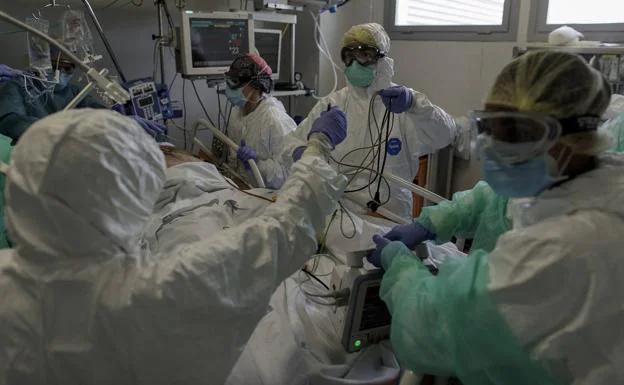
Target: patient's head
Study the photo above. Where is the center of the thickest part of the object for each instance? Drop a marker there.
(174, 156)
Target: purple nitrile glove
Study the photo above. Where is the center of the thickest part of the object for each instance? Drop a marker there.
(7, 72)
(245, 154)
(411, 235)
(333, 124)
(375, 256)
(152, 128)
(397, 99)
(298, 153)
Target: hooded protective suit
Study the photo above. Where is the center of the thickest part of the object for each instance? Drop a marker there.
(264, 129)
(423, 129)
(83, 301)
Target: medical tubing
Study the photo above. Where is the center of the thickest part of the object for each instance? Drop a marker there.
(47, 38)
(221, 136)
(325, 52)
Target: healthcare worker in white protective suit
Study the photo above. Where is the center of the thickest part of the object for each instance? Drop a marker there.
(419, 128)
(545, 306)
(258, 122)
(84, 302)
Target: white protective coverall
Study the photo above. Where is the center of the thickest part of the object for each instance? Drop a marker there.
(264, 130)
(423, 129)
(568, 237)
(84, 302)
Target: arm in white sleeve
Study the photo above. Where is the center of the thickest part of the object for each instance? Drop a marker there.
(240, 267)
(427, 127)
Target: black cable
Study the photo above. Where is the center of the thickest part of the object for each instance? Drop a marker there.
(343, 211)
(219, 111)
(184, 111)
(343, 3)
(317, 279)
(202, 103)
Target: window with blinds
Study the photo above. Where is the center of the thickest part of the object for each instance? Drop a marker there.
(584, 12)
(449, 12)
(601, 20)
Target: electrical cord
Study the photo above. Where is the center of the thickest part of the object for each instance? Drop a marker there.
(314, 277)
(201, 103)
(184, 111)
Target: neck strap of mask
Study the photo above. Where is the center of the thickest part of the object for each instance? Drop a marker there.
(579, 124)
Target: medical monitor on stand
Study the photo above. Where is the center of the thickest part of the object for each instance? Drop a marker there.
(209, 42)
(268, 43)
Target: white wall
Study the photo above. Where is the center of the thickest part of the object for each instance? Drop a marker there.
(454, 75)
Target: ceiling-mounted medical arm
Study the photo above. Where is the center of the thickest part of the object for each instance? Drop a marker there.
(112, 89)
(222, 137)
(107, 45)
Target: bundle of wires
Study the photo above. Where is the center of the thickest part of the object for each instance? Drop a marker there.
(375, 159)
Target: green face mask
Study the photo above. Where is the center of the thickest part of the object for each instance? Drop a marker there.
(359, 75)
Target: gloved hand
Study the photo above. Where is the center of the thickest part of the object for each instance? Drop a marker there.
(411, 235)
(246, 153)
(298, 153)
(333, 124)
(375, 256)
(397, 99)
(151, 127)
(119, 108)
(8, 72)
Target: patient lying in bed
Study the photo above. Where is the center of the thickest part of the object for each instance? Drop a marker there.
(295, 343)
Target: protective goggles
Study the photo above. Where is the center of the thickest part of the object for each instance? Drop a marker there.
(363, 54)
(515, 137)
(236, 82)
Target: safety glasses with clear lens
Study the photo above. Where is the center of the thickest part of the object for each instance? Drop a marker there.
(514, 137)
(363, 54)
(236, 83)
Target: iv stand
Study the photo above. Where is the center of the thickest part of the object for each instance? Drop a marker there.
(109, 49)
(161, 8)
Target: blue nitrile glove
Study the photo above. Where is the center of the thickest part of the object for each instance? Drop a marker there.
(7, 72)
(333, 124)
(411, 235)
(375, 256)
(152, 128)
(298, 153)
(119, 108)
(397, 99)
(246, 153)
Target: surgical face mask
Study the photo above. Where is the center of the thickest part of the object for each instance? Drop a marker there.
(523, 180)
(64, 80)
(359, 75)
(236, 97)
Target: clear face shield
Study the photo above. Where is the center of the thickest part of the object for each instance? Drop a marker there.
(514, 137)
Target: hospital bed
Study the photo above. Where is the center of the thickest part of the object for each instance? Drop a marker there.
(302, 339)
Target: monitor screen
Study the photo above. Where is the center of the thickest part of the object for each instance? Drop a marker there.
(217, 42)
(268, 46)
(375, 314)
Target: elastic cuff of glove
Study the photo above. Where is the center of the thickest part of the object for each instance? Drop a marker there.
(325, 139)
(390, 252)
